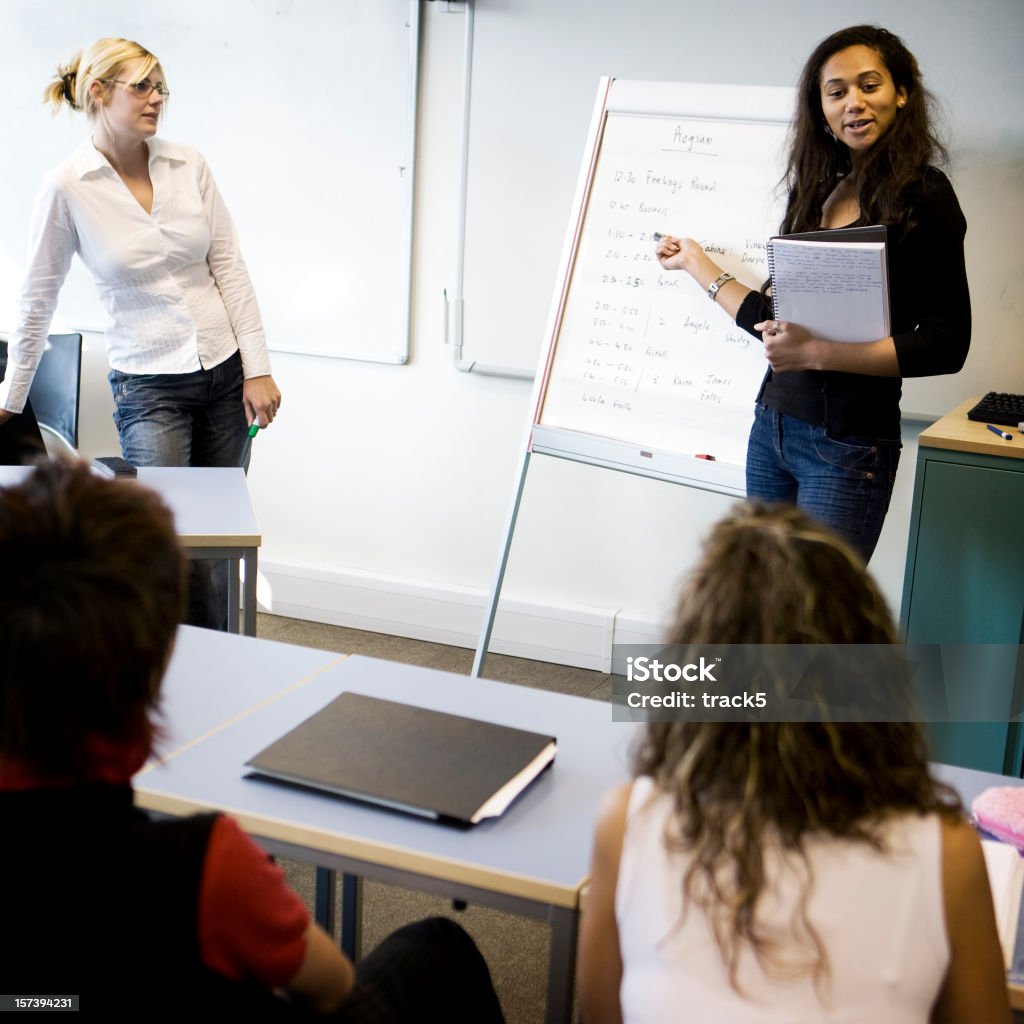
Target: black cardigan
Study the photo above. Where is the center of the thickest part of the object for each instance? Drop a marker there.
(931, 323)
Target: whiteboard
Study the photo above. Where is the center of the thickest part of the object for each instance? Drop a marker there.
(526, 133)
(305, 111)
(642, 353)
(639, 357)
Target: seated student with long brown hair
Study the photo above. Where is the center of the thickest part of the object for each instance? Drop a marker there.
(159, 919)
(779, 871)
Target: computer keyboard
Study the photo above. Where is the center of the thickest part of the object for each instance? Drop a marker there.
(998, 407)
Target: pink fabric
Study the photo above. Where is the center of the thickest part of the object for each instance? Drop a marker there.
(999, 810)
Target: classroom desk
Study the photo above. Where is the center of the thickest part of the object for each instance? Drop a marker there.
(226, 697)
(531, 861)
(964, 579)
(213, 517)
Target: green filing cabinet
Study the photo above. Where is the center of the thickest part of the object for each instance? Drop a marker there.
(964, 581)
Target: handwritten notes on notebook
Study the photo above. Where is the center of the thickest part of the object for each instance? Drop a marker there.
(838, 290)
(642, 354)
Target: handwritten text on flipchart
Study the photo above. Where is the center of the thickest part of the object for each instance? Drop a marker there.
(642, 354)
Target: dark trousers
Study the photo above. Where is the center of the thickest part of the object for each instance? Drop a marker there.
(21, 443)
(427, 971)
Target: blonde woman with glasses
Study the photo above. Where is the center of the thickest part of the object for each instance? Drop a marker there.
(189, 366)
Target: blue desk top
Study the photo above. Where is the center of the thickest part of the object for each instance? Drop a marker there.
(539, 849)
(215, 676)
(211, 505)
(227, 697)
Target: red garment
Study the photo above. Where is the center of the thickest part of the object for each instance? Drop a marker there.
(112, 762)
(252, 926)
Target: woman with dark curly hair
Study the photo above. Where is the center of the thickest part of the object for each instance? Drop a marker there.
(863, 150)
(781, 871)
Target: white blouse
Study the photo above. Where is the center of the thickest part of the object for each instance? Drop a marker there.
(878, 914)
(173, 282)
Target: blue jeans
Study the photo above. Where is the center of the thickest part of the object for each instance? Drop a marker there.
(186, 419)
(182, 419)
(845, 483)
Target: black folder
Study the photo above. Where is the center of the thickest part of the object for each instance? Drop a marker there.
(445, 767)
(862, 233)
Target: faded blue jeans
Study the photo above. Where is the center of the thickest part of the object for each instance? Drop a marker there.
(845, 483)
(186, 419)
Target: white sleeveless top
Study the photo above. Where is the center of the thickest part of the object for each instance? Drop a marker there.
(878, 914)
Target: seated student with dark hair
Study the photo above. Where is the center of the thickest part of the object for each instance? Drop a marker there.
(155, 917)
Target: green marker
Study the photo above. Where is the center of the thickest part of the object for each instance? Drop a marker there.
(255, 427)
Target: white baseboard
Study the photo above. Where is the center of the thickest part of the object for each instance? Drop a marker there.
(634, 631)
(577, 636)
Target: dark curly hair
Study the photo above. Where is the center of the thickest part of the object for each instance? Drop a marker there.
(890, 173)
(772, 575)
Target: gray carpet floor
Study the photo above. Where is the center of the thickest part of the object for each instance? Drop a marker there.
(515, 948)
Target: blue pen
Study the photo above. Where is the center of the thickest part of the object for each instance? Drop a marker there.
(1004, 434)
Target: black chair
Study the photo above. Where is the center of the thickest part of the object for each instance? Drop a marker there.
(55, 392)
(49, 423)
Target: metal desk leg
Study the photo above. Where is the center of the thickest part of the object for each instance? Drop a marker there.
(249, 593)
(323, 900)
(232, 568)
(561, 964)
(351, 916)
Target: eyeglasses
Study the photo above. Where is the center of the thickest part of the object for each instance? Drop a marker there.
(143, 89)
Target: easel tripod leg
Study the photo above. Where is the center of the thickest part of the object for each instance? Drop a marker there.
(492, 602)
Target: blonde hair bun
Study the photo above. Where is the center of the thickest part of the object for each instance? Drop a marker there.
(101, 62)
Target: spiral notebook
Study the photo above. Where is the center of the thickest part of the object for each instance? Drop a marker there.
(834, 283)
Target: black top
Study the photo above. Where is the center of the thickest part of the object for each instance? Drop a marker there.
(102, 902)
(931, 324)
